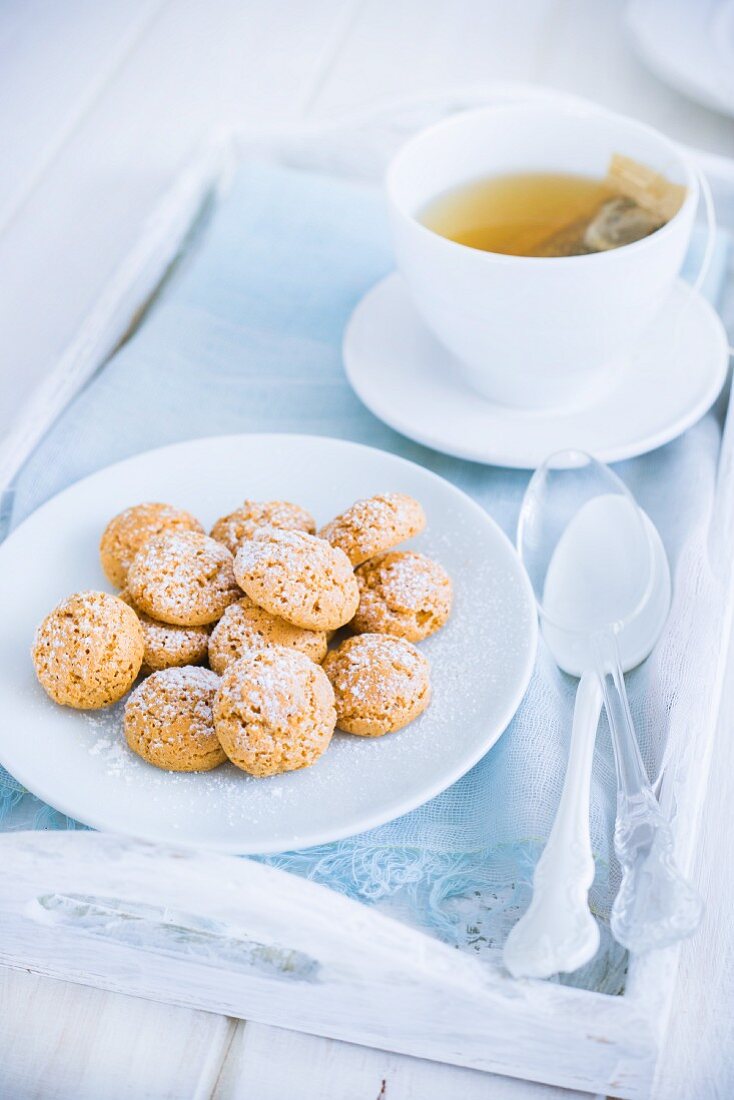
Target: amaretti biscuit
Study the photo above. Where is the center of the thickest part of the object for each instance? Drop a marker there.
(245, 626)
(402, 593)
(274, 711)
(184, 578)
(128, 532)
(88, 651)
(169, 646)
(298, 577)
(169, 720)
(241, 524)
(372, 526)
(380, 684)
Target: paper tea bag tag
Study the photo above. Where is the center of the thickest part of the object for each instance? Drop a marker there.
(646, 187)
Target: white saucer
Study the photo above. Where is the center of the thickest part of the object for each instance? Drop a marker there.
(411, 382)
(689, 44)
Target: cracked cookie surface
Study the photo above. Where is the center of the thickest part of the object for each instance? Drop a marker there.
(184, 578)
(380, 684)
(242, 524)
(298, 577)
(245, 626)
(372, 526)
(402, 593)
(127, 533)
(169, 720)
(88, 651)
(274, 711)
(167, 645)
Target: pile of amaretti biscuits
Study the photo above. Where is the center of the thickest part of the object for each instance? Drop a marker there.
(260, 601)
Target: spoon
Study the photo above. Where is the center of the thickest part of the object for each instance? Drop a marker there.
(602, 583)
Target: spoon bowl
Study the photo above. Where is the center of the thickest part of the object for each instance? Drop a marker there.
(586, 548)
(637, 632)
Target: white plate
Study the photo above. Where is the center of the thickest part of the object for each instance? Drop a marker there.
(79, 763)
(408, 379)
(690, 45)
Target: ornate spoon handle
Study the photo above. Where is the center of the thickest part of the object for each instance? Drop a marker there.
(558, 932)
(655, 905)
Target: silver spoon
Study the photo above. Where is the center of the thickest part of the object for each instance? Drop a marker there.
(602, 583)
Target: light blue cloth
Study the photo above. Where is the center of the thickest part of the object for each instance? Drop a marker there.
(247, 337)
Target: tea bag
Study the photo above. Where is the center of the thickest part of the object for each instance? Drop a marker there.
(646, 202)
(617, 222)
(646, 187)
(642, 201)
(568, 241)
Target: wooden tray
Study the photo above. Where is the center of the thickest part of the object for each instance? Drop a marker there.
(235, 937)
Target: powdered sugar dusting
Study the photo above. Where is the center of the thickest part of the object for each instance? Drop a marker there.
(129, 530)
(301, 578)
(167, 645)
(381, 683)
(242, 524)
(373, 668)
(183, 577)
(375, 524)
(274, 711)
(88, 650)
(410, 580)
(166, 694)
(404, 593)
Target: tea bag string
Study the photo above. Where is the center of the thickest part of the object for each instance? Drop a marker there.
(708, 252)
(711, 239)
(708, 201)
(705, 264)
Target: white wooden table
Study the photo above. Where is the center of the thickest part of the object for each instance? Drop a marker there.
(100, 103)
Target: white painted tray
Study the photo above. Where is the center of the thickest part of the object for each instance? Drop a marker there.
(231, 936)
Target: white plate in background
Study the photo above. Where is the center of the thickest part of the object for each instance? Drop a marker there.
(689, 44)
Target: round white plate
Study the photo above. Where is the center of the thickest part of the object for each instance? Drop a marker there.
(690, 45)
(79, 762)
(408, 379)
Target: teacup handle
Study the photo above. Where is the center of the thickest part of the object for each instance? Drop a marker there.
(696, 286)
(708, 252)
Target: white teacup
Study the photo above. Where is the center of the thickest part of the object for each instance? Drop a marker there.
(527, 331)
